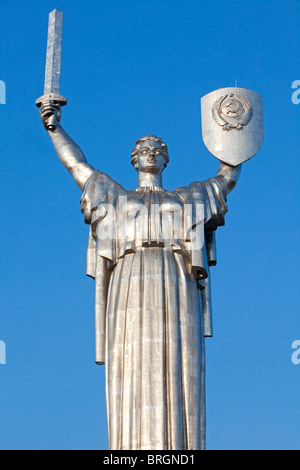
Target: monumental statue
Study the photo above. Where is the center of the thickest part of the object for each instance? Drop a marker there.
(150, 251)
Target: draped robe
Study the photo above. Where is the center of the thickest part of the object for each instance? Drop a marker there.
(152, 306)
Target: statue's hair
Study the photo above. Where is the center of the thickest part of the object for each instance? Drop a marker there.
(148, 137)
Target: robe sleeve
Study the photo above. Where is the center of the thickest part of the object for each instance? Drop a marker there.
(97, 203)
(100, 191)
(212, 194)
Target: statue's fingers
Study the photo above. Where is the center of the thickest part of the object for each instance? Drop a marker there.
(53, 104)
(48, 105)
(42, 113)
(45, 104)
(44, 107)
(48, 110)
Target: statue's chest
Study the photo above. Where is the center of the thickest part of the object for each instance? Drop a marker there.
(150, 217)
(148, 203)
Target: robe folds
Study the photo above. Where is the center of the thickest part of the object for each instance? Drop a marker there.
(150, 252)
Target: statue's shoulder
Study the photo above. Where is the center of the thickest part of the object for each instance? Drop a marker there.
(99, 178)
(207, 186)
(191, 192)
(99, 189)
(192, 188)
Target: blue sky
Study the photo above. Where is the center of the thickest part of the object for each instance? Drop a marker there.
(132, 68)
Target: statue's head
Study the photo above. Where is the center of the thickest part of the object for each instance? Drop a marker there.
(150, 154)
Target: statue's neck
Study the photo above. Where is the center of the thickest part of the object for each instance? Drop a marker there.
(146, 180)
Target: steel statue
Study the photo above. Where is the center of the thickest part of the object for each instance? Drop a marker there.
(150, 251)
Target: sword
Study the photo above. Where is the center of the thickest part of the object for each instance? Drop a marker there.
(53, 65)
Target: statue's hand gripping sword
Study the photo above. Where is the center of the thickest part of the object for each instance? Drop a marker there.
(53, 65)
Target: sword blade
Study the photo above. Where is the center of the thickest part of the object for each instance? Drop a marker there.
(53, 60)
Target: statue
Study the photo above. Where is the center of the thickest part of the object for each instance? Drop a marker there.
(150, 252)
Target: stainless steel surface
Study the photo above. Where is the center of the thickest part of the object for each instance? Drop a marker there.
(53, 60)
(70, 155)
(150, 316)
(155, 315)
(53, 66)
(232, 124)
(150, 251)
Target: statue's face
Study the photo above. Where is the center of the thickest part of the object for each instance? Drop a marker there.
(150, 157)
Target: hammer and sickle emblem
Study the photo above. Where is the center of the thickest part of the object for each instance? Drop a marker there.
(232, 111)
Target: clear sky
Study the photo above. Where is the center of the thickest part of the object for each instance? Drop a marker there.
(129, 69)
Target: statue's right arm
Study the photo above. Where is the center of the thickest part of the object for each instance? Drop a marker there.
(67, 150)
(71, 156)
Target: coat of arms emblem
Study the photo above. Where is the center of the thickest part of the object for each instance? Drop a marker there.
(232, 111)
(232, 124)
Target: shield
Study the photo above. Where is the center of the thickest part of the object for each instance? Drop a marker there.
(232, 124)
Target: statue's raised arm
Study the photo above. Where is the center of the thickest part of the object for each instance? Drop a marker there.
(67, 150)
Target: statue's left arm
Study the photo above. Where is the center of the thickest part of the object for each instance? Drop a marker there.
(228, 176)
(213, 193)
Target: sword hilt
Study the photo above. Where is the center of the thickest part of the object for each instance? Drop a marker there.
(57, 99)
